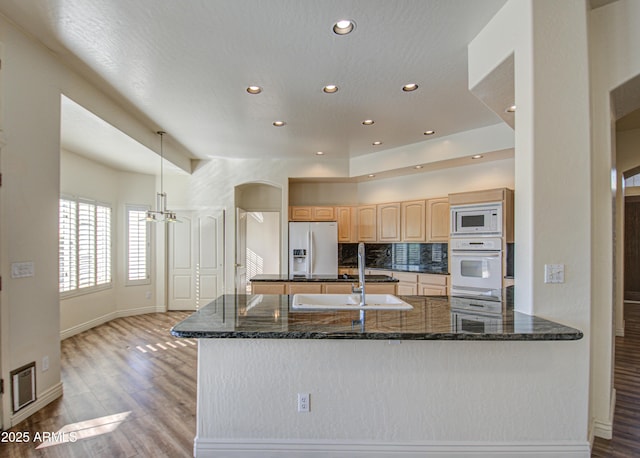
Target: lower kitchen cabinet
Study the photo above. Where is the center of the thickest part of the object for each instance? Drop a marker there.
(408, 283)
(433, 285)
(319, 288)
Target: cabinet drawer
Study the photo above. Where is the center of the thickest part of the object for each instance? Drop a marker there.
(406, 277)
(268, 288)
(431, 279)
(304, 288)
(336, 288)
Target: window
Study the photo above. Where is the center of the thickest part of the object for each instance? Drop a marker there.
(84, 245)
(138, 245)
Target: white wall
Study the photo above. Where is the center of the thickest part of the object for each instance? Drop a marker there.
(439, 183)
(614, 31)
(83, 177)
(32, 82)
(263, 238)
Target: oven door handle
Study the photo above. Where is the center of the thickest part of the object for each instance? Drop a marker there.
(476, 254)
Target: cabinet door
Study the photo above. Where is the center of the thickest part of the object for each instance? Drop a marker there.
(438, 220)
(389, 222)
(367, 223)
(433, 290)
(323, 213)
(407, 288)
(413, 221)
(345, 225)
(300, 214)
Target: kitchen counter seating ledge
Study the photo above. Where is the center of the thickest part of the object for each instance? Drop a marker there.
(267, 316)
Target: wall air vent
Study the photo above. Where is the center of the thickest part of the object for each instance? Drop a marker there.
(23, 386)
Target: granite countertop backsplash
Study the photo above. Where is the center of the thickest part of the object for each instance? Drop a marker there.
(432, 318)
(407, 257)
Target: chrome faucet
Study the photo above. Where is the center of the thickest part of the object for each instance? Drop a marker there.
(361, 263)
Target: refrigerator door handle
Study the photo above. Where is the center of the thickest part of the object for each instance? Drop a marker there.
(310, 263)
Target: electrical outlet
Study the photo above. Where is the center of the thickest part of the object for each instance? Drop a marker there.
(303, 402)
(45, 363)
(148, 295)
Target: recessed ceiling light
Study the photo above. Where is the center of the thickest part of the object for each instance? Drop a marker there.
(279, 123)
(418, 167)
(511, 109)
(254, 89)
(378, 143)
(410, 87)
(429, 132)
(320, 153)
(371, 175)
(330, 88)
(368, 122)
(477, 156)
(344, 27)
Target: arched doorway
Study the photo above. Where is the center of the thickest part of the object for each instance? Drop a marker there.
(258, 232)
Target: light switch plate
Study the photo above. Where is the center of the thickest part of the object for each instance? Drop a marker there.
(22, 269)
(554, 273)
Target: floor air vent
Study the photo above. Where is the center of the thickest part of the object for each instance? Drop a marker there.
(23, 386)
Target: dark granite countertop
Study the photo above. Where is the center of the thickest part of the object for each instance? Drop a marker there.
(432, 318)
(322, 278)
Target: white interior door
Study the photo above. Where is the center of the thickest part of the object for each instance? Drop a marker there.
(196, 259)
(241, 251)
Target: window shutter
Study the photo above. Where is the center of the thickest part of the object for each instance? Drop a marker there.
(86, 245)
(137, 250)
(103, 245)
(67, 245)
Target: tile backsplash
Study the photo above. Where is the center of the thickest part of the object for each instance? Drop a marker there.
(413, 257)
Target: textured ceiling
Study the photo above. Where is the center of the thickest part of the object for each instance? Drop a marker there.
(186, 65)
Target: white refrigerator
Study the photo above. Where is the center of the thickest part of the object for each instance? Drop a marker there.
(313, 248)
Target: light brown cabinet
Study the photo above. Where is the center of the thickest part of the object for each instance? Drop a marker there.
(346, 218)
(413, 221)
(319, 288)
(309, 213)
(367, 227)
(408, 283)
(388, 216)
(438, 220)
(433, 285)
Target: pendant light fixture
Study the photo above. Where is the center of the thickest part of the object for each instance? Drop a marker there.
(161, 214)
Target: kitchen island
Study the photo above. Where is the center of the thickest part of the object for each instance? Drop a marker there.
(412, 383)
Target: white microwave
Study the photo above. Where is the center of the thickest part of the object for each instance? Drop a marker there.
(476, 220)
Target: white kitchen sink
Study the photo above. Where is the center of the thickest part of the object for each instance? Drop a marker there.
(348, 302)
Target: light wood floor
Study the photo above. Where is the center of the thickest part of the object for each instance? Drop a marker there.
(626, 421)
(129, 391)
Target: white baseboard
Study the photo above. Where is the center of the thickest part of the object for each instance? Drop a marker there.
(139, 311)
(42, 400)
(604, 428)
(620, 331)
(212, 448)
(72, 331)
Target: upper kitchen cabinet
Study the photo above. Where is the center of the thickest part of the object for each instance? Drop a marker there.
(389, 222)
(347, 227)
(366, 223)
(438, 220)
(309, 213)
(504, 195)
(413, 221)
